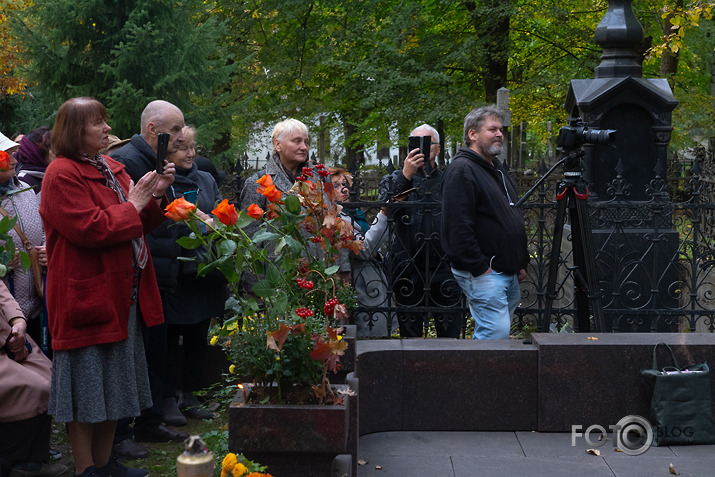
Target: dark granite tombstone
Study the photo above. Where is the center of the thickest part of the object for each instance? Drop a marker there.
(631, 171)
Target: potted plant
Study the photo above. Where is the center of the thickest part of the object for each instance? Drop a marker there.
(286, 332)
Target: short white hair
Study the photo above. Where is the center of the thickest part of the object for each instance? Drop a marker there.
(428, 128)
(284, 128)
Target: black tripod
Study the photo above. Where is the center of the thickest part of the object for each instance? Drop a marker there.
(573, 194)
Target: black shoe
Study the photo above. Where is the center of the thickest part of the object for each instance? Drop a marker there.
(199, 413)
(128, 449)
(171, 413)
(90, 471)
(159, 434)
(43, 470)
(114, 468)
(191, 407)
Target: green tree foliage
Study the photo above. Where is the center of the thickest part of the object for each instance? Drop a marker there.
(125, 54)
(372, 68)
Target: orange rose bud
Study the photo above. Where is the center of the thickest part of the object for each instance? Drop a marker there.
(180, 209)
(4, 161)
(255, 211)
(272, 194)
(225, 213)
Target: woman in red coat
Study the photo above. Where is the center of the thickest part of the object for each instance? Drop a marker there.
(100, 282)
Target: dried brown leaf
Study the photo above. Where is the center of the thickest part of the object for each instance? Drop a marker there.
(593, 451)
(362, 462)
(671, 469)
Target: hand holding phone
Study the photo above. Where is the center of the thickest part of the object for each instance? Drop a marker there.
(423, 143)
(161, 146)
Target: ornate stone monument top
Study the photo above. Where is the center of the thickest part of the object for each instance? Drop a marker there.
(619, 34)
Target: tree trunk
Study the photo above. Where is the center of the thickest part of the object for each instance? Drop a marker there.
(491, 23)
(669, 61)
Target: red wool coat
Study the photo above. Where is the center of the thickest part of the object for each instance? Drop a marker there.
(89, 251)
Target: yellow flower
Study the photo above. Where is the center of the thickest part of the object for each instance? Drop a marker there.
(232, 369)
(214, 339)
(229, 462)
(227, 344)
(239, 470)
(278, 358)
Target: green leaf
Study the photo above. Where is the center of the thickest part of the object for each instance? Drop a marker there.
(190, 242)
(243, 220)
(292, 204)
(225, 264)
(262, 235)
(295, 246)
(24, 259)
(226, 247)
(279, 246)
(206, 268)
(263, 288)
(273, 275)
(332, 270)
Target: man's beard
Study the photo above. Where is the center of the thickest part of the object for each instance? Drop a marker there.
(495, 148)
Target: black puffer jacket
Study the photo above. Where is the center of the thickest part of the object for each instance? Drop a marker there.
(481, 227)
(195, 298)
(138, 159)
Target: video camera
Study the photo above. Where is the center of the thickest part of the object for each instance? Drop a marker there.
(576, 134)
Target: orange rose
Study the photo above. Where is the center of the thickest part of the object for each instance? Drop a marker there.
(225, 213)
(272, 214)
(272, 194)
(180, 209)
(263, 183)
(4, 161)
(255, 211)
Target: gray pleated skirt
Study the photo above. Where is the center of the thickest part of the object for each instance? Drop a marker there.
(103, 382)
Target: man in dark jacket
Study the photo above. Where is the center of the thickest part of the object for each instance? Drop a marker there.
(139, 157)
(484, 238)
(422, 283)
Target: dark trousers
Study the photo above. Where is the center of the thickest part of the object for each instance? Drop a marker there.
(25, 441)
(431, 289)
(186, 362)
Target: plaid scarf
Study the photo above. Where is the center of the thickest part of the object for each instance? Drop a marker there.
(141, 253)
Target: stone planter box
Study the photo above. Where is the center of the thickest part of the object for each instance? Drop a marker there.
(297, 440)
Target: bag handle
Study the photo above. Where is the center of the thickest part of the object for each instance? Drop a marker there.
(655, 359)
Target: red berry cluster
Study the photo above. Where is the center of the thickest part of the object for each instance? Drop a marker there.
(303, 283)
(316, 239)
(329, 307)
(303, 312)
(322, 171)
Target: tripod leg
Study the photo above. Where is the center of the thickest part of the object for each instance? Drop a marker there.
(554, 262)
(587, 293)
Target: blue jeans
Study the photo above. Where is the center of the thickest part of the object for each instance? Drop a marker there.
(493, 298)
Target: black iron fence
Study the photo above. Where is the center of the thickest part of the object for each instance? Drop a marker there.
(655, 259)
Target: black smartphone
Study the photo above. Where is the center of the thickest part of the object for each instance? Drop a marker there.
(162, 144)
(423, 143)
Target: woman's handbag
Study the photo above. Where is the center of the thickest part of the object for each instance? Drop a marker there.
(681, 407)
(34, 258)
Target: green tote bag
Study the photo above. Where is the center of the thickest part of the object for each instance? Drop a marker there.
(681, 407)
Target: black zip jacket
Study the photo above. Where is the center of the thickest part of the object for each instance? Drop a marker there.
(481, 228)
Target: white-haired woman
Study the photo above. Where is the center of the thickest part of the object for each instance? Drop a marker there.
(291, 144)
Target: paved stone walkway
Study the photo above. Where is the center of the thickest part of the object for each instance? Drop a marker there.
(506, 454)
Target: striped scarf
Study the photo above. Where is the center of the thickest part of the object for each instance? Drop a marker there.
(141, 253)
